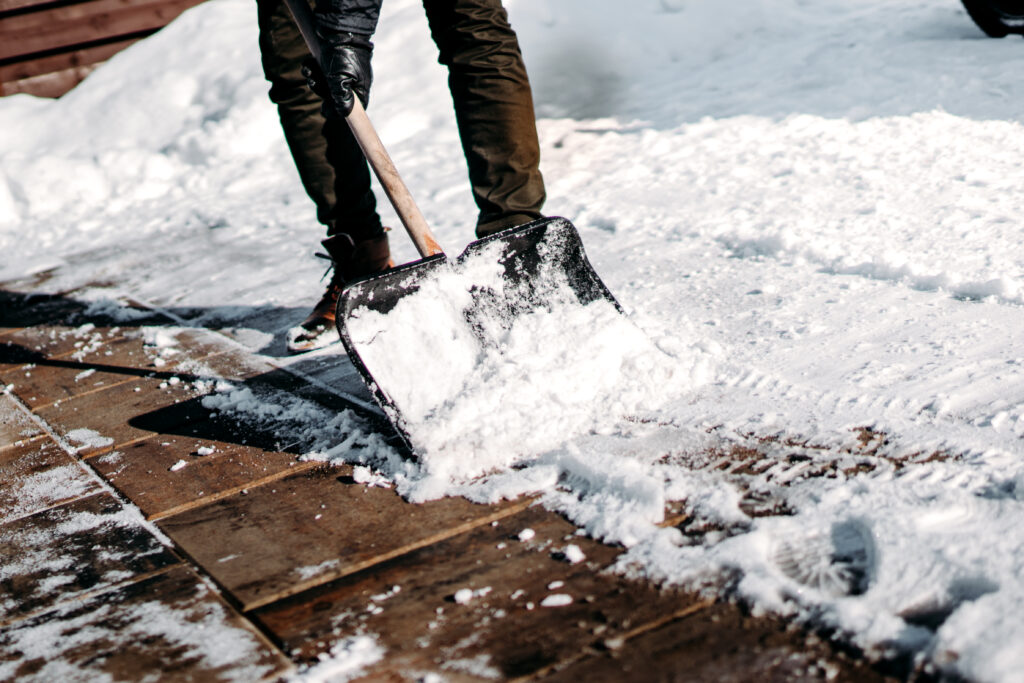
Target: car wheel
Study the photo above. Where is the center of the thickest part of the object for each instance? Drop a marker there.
(997, 18)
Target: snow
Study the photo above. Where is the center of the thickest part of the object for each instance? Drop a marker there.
(88, 438)
(557, 600)
(807, 210)
(346, 661)
(464, 596)
(573, 554)
(195, 626)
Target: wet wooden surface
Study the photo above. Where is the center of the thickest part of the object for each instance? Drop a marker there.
(514, 607)
(271, 561)
(168, 474)
(169, 626)
(720, 644)
(38, 475)
(64, 552)
(16, 426)
(100, 421)
(290, 535)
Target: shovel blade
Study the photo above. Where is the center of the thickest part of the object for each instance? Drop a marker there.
(497, 280)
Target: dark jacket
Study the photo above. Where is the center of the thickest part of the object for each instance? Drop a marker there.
(355, 16)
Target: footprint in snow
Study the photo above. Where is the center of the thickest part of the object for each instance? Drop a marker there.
(836, 560)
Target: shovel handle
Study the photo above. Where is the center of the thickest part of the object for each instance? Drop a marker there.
(373, 149)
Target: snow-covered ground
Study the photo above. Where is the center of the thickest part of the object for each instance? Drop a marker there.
(809, 209)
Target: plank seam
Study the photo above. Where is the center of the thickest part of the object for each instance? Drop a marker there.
(88, 595)
(591, 650)
(304, 586)
(46, 508)
(297, 468)
(21, 443)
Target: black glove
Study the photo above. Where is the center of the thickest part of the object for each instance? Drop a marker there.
(345, 64)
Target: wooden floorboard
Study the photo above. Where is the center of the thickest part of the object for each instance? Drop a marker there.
(16, 426)
(38, 475)
(61, 553)
(170, 626)
(309, 528)
(54, 341)
(167, 475)
(102, 421)
(483, 600)
(721, 644)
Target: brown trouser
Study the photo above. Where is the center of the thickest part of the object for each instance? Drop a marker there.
(493, 109)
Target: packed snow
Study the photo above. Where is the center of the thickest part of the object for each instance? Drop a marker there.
(809, 212)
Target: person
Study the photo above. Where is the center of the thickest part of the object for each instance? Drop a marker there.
(494, 113)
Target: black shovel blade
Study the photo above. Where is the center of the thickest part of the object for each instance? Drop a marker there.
(531, 268)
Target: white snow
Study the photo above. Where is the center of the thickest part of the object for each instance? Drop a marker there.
(810, 212)
(464, 596)
(88, 438)
(346, 660)
(573, 554)
(557, 600)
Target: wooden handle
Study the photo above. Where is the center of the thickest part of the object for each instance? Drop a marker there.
(387, 174)
(373, 149)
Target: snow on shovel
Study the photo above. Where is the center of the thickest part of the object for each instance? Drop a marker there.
(436, 332)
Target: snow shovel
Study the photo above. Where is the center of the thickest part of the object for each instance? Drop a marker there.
(532, 267)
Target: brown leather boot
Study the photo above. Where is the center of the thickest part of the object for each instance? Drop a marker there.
(350, 261)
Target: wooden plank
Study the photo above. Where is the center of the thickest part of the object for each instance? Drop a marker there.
(11, 5)
(54, 381)
(38, 475)
(51, 85)
(65, 552)
(104, 420)
(313, 527)
(720, 644)
(16, 426)
(170, 626)
(167, 475)
(50, 29)
(504, 630)
(69, 362)
(39, 342)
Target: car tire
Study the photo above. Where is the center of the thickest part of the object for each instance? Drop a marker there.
(997, 18)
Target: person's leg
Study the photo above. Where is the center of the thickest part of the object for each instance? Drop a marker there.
(330, 164)
(332, 169)
(493, 108)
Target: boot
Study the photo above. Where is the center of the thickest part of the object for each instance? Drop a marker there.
(349, 261)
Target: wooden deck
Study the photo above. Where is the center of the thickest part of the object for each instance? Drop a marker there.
(244, 563)
(48, 46)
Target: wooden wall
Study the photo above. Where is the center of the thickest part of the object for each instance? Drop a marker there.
(47, 47)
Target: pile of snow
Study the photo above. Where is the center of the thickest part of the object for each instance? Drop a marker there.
(809, 209)
(495, 383)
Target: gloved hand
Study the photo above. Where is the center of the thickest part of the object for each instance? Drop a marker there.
(315, 78)
(345, 64)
